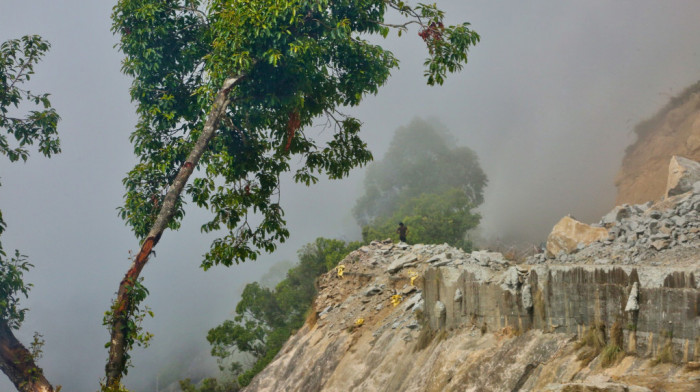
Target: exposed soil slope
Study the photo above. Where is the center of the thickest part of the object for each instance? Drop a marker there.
(674, 130)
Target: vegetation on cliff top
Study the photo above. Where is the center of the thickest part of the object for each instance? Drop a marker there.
(426, 183)
(266, 317)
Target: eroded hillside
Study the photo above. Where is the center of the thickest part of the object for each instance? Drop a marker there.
(674, 130)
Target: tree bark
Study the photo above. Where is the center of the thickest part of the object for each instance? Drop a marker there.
(117, 349)
(18, 364)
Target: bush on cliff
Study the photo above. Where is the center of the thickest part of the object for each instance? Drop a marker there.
(266, 317)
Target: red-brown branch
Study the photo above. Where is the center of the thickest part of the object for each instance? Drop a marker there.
(292, 126)
(116, 361)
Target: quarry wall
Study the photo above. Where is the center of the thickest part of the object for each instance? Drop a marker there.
(655, 306)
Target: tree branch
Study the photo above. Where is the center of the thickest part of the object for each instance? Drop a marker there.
(18, 363)
(116, 362)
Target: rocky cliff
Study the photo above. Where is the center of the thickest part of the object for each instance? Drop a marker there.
(674, 130)
(613, 306)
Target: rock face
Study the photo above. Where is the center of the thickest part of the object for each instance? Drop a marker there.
(682, 174)
(439, 319)
(674, 130)
(569, 234)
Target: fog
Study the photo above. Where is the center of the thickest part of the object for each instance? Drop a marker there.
(548, 101)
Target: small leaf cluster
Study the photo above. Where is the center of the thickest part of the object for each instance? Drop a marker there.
(12, 285)
(134, 316)
(448, 46)
(17, 60)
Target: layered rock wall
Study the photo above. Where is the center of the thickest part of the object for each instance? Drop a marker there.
(570, 299)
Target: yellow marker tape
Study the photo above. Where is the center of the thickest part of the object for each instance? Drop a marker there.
(413, 275)
(341, 268)
(395, 299)
(359, 321)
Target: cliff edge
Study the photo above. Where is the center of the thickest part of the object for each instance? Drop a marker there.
(612, 306)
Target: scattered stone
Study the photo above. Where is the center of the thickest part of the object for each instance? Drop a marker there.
(527, 296)
(488, 259)
(405, 261)
(633, 299)
(569, 233)
(660, 244)
(458, 295)
(682, 175)
(372, 290)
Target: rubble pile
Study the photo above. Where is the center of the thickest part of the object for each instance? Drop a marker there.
(662, 233)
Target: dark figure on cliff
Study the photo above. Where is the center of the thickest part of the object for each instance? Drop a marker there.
(402, 230)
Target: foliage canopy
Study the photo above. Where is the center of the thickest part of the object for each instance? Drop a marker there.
(17, 60)
(21, 127)
(296, 60)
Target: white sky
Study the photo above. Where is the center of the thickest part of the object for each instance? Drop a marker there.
(548, 101)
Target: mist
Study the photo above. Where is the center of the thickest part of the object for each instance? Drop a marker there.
(548, 101)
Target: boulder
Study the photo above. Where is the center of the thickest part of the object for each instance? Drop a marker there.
(406, 261)
(616, 215)
(569, 233)
(682, 174)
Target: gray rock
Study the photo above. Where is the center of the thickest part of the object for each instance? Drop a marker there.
(440, 310)
(405, 261)
(527, 297)
(510, 279)
(616, 215)
(413, 301)
(372, 290)
(683, 174)
(325, 311)
(458, 295)
(660, 244)
(679, 221)
(485, 258)
(413, 324)
(633, 299)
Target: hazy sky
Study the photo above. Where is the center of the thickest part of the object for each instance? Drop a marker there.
(548, 101)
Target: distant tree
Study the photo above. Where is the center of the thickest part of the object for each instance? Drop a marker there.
(431, 218)
(265, 318)
(18, 130)
(424, 182)
(227, 87)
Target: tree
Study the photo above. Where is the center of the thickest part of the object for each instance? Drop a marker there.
(227, 87)
(18, 131)
(424, 183)
(265, 318)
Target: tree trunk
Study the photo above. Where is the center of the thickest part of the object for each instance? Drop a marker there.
(18, 364)
(117, 349)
